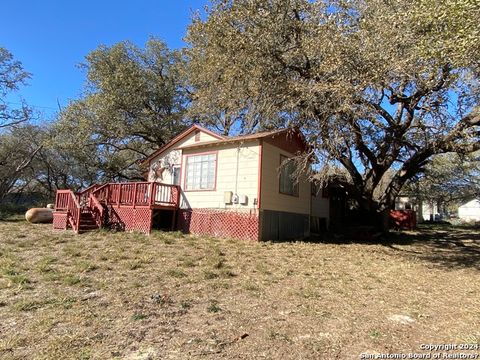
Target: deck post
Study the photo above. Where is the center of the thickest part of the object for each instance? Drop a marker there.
(119, 194)
(152, 193)
(177, 200)
(135, 195)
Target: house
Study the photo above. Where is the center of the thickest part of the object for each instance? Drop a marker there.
(201, 182)
(425, 210)
(470, 211)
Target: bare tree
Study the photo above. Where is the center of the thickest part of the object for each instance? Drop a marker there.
(12, 76)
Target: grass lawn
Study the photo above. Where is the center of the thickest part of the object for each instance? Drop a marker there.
(107, 295)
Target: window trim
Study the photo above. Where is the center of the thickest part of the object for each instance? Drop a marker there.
(297, 193)
(186, 173)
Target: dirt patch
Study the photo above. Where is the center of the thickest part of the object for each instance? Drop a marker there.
(108, 295)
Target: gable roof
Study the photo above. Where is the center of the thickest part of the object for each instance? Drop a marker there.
(232, 139)
(280, 138)
(274, 137)
(471, 203)
(179, 137)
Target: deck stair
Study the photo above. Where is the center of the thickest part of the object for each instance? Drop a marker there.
(87, 223)
(88, 209)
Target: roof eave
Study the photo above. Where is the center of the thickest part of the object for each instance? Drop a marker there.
(177, 138)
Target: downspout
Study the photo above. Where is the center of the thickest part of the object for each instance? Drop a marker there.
(259, 189)
(236, 170)
(259, 185)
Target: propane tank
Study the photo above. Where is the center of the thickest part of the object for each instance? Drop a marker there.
(39, 215)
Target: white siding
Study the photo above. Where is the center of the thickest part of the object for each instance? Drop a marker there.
(204, 137)
(272, 199)
(429, 210)
(173, 157)
(245, 183)
(470, 211)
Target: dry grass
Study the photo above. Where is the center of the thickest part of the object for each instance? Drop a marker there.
(124, 295)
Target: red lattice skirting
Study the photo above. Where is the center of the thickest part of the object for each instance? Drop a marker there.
(60, 220)
(219, 223)
(128, 219)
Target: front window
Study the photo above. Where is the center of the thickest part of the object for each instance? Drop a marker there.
(288, 183)
(200, 172)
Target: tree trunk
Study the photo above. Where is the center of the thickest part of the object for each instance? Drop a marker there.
(383, 220)
(374, 213)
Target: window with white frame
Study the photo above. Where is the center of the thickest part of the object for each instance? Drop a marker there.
(288, 183)
(176, 175)
(200, 172)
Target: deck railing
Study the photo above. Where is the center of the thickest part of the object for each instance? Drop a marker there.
(67, 201)
(134, 194)
(84, 196)
(96, 208)
(138, 194)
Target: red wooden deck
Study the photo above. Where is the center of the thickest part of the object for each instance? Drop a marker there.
(130, 203)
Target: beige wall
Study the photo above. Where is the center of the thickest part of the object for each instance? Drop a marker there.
(271, 197)
(247, 181)
(248, 157)
(190, 140)
(173, 157)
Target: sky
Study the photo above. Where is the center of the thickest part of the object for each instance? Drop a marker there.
(51, 37)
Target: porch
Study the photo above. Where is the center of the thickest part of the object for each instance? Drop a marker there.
(126, 206)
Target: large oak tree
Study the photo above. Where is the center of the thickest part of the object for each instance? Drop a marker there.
(133, 103)
(378, 87)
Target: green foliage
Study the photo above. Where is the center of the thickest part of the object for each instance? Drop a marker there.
(15, 153)
(19, 147)
(378, 86)
(213, 307)
(12, 76)
(451, 30)
(450, 179)
(133, 103)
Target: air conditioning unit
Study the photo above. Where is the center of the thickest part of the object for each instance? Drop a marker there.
(243, 199)
(227, 197)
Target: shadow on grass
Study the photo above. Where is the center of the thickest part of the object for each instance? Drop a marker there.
(443, 245)
(13, 219)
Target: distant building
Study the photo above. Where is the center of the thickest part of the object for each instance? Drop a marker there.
(470, 211)
(425, 210)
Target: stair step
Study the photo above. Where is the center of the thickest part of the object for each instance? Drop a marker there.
(88, 225)
(87, 221)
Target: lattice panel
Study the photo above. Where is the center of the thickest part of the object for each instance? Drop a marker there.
(403, 219)
(219, 223)
(128, 219)
(60, 220)
(143, 220)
